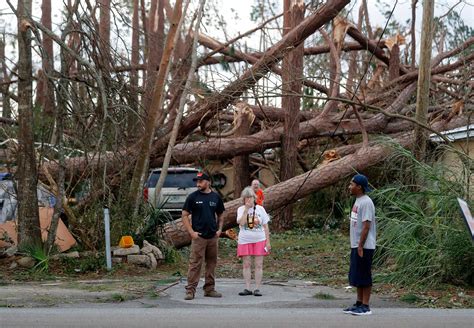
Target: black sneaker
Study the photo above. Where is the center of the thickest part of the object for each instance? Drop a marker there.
(245, 292)
(351, 308)
(362, 310)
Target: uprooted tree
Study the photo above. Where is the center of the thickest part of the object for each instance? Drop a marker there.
(119, 105)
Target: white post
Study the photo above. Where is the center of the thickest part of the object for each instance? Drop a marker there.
(107, 238)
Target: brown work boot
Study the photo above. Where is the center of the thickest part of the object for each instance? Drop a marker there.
(212, 293)
(189, 296)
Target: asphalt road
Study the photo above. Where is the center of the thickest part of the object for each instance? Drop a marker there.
(283, 304)
(231, 317)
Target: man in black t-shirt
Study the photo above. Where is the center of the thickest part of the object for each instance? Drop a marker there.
(206, 209)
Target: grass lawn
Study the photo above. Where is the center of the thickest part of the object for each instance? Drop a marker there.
(320, 256)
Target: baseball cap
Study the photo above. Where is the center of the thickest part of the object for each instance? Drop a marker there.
(362, 181)
(201, 176)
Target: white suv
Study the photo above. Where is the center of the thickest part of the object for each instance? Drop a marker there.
(178, 185)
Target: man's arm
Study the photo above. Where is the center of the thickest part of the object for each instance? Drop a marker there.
(220, 223)
(363, 236)
(187, 224)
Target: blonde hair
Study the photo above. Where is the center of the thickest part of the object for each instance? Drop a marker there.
(248, 192)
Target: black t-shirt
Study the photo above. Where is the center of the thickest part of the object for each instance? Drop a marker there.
(204, 208)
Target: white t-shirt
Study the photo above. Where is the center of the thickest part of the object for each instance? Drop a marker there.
(363, 210)
(246, 235)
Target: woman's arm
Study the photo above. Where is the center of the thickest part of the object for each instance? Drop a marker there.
(242, 220)
(267, 236)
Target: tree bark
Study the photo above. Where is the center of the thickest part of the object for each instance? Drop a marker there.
(241, 163)
(104, 34)
(6, 108)
(394, 64)
(46, 95)
(29, 232)
(155, 49)
(424, 79)
(134, 61)
(413, 33)
(292, 75)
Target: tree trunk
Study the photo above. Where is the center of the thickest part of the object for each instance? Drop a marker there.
(131, 116)
(29, 232)
(394, 65)
(46, 96)
(424, 79)
(58, 185)
(413, 33)
(241, 163)
(155, 50)
(154, 110)
(292, 74)
(104, 32)
(6, 108)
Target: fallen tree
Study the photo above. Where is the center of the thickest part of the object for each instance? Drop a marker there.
(289, 191)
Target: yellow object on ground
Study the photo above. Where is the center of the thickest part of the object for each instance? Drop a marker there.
(126, 242)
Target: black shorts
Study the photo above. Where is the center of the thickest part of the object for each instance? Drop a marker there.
(360, 272)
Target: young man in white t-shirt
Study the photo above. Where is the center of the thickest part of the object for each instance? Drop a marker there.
(363, 240)
(254, 239)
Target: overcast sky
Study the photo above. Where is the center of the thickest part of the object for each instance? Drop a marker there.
(402, 11)
(237, 16)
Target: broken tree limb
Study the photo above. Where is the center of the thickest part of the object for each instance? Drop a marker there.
(258, 142)
(214, 44)
(231, 92)
(371, 46)
(276, 114)
(308, 51)
(412, 76)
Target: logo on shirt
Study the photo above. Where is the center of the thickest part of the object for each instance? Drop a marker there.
(213, 204)
(199, 202)
(354, 216)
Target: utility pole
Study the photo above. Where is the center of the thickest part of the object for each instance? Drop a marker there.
(424, 79)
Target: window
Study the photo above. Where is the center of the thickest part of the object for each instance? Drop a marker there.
(176, 179)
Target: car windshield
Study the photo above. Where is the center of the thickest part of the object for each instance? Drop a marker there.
(178, 179)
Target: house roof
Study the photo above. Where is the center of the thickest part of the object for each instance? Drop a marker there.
(460, 133)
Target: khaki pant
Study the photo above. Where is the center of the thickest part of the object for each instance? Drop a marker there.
(202, 249)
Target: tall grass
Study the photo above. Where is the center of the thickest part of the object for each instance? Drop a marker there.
(421, 234)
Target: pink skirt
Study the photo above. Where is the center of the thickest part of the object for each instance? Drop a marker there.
(252, 249)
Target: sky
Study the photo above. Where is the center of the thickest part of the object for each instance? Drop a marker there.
(237, 17)
(402, 12)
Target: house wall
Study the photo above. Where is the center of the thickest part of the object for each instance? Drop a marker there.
(214, 168)
(453, 161)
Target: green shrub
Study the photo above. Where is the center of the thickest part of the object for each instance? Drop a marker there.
(421, 233)
(40, 255)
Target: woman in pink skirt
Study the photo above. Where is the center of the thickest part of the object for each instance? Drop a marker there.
(254, 239)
